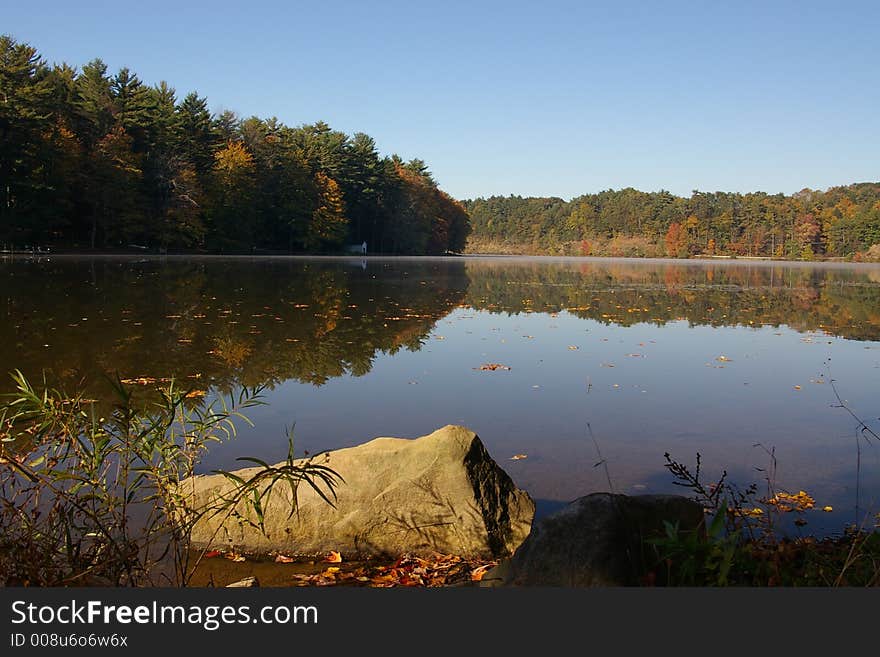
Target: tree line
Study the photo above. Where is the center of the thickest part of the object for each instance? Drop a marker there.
(101, 161)
(841, 222)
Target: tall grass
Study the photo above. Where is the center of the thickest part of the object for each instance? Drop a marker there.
(93, 500)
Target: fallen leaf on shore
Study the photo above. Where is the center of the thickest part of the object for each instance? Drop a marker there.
(333, 557)
(478, 573)
(518, 457)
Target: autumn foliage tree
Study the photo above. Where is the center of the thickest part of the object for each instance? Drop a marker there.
(329, 225)
(676, 241)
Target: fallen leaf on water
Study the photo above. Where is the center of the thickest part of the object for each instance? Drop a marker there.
(332, 570)
(210, 554)
(144, 381)
(800, 501)
(606, 364)
(723, 359)
(797, 387)
(333, 557)
(518, 457)
(492, 367)
(195, 393)
(573, 347)
(283, 559)
(827, 509)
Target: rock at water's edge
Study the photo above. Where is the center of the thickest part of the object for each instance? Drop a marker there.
(439, 493)
(597, 540)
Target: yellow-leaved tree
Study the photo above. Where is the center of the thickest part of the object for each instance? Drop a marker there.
(329, 225)
(233, 178)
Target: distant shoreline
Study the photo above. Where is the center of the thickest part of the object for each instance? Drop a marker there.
(761, 261)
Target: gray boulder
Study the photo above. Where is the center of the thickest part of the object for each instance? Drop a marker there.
(597, 540)
(441, 492)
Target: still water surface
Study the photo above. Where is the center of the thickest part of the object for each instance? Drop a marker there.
(731, 360)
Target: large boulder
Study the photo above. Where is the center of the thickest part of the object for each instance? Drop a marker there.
(441, 492)
(597, 540)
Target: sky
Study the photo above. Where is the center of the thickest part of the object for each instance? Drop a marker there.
(532, 99)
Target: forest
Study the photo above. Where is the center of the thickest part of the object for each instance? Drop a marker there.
(91, 160)
(840, 222)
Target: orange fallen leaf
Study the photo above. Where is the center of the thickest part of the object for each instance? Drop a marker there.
(333, 557)
(281, 558)
(478, 573)
(518, 457)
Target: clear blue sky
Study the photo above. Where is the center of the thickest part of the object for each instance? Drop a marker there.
(537, 99)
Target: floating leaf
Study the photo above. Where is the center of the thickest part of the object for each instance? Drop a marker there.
(333, 557)
(518, 457)
(281, 558)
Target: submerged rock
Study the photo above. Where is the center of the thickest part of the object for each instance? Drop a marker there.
(597, 540)
(438, 493)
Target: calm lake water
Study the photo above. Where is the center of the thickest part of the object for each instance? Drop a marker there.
(731, 360)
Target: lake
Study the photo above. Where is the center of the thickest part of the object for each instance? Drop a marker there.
(602, 363)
